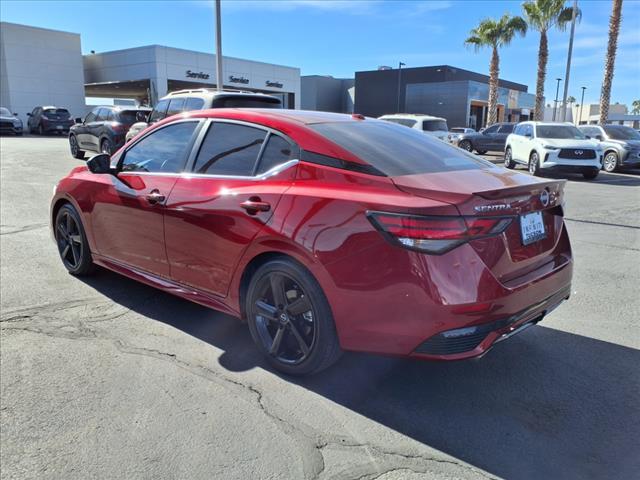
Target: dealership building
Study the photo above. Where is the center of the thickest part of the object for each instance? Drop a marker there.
(46, 67)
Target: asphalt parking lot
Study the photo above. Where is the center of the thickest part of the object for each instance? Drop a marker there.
(107, 378)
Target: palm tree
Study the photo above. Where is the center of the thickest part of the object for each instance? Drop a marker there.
(495, 34)
(543, 15)
(610, 60)
(635, 107)
(570, 101)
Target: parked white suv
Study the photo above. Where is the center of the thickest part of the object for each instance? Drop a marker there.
(552, 147)
(435, 126)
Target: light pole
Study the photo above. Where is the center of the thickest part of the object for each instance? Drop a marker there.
(555, 102)
(566, 80)
(581, 104)
(400, 65)
(219, 79)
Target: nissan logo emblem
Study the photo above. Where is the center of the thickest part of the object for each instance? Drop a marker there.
(544, 198)
(578, 152)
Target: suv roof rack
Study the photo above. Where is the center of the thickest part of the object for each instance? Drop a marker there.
(210, 90)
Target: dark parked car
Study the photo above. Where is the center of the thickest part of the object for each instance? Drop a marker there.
(9, 123)
(200, 99)
(103, 130)
(49, 119)
(491, 138)
(621, 145)
(326, 232)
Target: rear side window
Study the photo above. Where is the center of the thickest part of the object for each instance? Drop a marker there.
(395, 150)
(193, 104)
(229, 149)
(175, 106)
(505, 129)
(159, 112)
(276, 152)
(103, 114)
(129, 117)
(164, 150)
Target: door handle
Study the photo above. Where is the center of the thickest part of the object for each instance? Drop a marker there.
(155, 197)
(255, 205)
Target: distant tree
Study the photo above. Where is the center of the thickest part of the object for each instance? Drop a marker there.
(495, 34)
(610, 60)
(635, 107)
(542, 15)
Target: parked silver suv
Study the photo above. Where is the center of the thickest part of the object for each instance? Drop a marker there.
(200, 99)
(621, 145)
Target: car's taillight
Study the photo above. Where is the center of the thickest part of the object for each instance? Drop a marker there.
(118, 127)
(435, 234)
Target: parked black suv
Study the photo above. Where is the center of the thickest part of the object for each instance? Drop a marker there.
(49, 119)
(9, 123)
(103, 130)
(200, 99)
(492, 138)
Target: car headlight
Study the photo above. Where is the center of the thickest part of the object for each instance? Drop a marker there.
(17, 122)
(550, 147)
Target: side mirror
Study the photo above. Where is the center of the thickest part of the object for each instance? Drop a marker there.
(78, 120)
(587, 137)
(528, 135)
(15, 114)
(28, 114)
(599, 138)
(100, 164)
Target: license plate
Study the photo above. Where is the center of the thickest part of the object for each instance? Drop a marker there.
(58, 127)
(532, 228)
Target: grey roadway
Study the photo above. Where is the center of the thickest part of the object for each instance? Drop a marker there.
(106, 378)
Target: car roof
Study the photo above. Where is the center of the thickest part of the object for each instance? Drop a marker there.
(412, 116)
(212, 93)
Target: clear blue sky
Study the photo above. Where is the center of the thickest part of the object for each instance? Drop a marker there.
(340, 37)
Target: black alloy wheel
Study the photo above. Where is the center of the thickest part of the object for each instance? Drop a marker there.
(466, 145)
(72, 242)
(290, 319)
(106, 147)
(508, 159)
(75, 148)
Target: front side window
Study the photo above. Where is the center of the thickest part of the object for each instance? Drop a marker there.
(91, 116)
(434, 126)
(491, 129)
(394, 150)
(164, 150)
(159, 112)
(229, 149)
(276, 152)
(193, 104)
(401, 121)
(175, 106)
(559, 132)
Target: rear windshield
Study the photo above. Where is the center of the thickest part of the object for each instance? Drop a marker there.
(458, 130)
(129, 117)
(246, 103)
(559, 131)
(434, 126)
(59, 112)
(395, 150)
(622, 133)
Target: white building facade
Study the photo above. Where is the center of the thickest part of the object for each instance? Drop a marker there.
(152, 71)
(40, 67)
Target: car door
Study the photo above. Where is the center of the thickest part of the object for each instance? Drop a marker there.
(515, 142)
(486, 140)
(213, 214)
(501, 136)
(81, 131)
(128, 213)
(33, 119)
(94, 128)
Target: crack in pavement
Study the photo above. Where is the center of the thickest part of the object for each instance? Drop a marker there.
(21, 228)
(312, 442)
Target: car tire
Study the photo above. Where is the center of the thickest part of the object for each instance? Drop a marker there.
(294, 341)
(466, 145)
(590, 174)
(610, 163)
(534, 164)
(508, 159)
(71, 239)
(481, 152)
(106, 146)
(75, 148)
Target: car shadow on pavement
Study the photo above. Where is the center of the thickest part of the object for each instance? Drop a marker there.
(546, 404)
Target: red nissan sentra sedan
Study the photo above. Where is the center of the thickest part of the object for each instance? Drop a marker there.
(326, 232)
